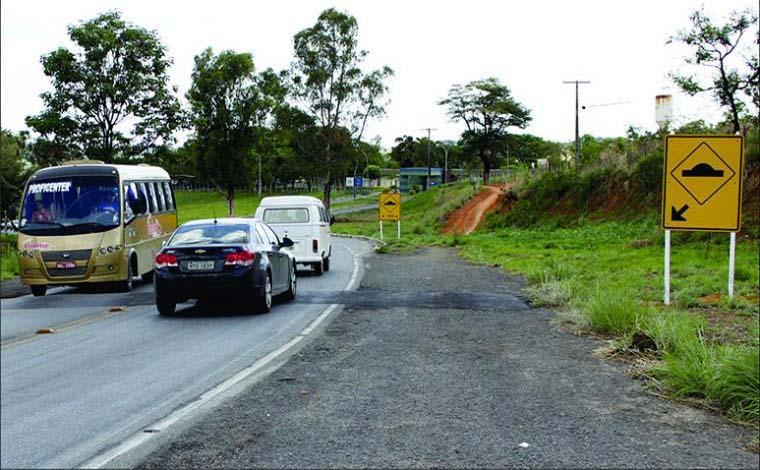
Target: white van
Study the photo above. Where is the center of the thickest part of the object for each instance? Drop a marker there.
(306, 221)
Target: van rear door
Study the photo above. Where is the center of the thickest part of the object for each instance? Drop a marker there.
(293, 222)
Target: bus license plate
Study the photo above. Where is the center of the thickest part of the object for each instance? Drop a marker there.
(65, 265)
(200, 265)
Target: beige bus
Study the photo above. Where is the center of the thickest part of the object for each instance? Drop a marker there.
(90, 222)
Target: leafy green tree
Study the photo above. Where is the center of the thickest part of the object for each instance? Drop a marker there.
(488, 110)
(713, 46)
(110, 98)
(373, 172)
(330, 84)
(14, 170)
(229, 104)
(527, 147)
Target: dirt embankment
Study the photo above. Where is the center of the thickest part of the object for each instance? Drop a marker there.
(467, 218)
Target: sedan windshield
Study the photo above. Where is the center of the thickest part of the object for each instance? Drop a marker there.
(71, 205)
(210, 234)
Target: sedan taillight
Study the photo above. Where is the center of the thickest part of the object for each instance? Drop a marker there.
(240, 258)
(164, 260)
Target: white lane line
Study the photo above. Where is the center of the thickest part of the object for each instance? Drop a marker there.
(205, 399)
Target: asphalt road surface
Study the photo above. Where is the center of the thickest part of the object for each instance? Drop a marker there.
(435, 363)
(104, 375)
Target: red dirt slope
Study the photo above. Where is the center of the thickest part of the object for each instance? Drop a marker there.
(467, 218)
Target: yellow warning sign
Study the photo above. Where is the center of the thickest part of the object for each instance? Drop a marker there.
(390, 206)
(702, 182)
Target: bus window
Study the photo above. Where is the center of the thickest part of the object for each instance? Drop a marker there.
(168, 196)
(159, 196)
(152, 198)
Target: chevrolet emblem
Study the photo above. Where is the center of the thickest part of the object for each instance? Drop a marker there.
(200, 251)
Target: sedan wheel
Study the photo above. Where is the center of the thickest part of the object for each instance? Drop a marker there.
(264, 301)
(293, 287)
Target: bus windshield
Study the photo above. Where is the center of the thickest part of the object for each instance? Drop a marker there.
(70, 205)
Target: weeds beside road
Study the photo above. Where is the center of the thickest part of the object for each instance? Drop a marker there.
(606, 278)
(494, 384)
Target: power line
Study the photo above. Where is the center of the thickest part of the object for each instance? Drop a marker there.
(577, 139)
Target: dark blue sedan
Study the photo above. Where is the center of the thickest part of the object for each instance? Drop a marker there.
(224, 258)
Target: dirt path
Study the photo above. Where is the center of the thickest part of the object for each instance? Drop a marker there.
(467, 218)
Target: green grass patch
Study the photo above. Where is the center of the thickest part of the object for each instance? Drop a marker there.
(8, 256)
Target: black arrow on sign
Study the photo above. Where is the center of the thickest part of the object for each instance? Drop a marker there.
(677, 215)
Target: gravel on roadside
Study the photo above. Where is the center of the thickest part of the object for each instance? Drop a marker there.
(481, 386)
(12, 288)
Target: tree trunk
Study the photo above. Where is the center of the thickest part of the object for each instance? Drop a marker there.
(328, 180)
(486, 167)
(231, 201)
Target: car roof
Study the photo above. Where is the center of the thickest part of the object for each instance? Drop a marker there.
(223, 221)
(290, 201)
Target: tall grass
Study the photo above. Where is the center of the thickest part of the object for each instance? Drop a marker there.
(737, 383)
(8, 256)
(610, 312)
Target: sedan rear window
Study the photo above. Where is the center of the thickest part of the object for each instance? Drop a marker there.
(286, 216)
(210, 234)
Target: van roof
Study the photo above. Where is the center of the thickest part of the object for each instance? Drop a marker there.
(290, 201)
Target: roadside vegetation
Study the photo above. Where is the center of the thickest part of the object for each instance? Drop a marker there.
(8, 256)
(602, 269)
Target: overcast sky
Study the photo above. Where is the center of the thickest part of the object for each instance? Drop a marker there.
(531, 46)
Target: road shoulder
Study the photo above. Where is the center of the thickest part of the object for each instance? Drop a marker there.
(458, 386)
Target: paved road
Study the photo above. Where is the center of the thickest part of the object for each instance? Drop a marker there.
(73, 394)
(435, 363)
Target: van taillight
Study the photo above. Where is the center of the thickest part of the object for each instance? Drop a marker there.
(315, 245)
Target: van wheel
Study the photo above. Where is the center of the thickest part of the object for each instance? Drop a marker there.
(318, 268)
(126, 285)
(39, 291)
(326, 264)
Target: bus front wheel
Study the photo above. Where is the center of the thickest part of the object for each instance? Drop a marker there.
(126, 285)
(39, 291)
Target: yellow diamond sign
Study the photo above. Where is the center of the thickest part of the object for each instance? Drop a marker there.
(702, 182)
(390, 206)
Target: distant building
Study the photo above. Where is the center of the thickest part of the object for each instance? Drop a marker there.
(414, 178)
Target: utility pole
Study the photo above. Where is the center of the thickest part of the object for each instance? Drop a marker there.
(428, 129)
(577, 138)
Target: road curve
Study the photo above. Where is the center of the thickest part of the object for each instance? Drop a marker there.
(106, 375)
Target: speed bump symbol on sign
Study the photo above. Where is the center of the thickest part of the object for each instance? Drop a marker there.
(702, 181)
(390, 206)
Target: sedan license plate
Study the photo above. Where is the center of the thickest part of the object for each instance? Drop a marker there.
(65, 265)
(200, 265)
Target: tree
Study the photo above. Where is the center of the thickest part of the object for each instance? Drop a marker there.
(110, 97)
(328, 80)
(229, 105)
(713, 47)
(14, 170)
(487, 109)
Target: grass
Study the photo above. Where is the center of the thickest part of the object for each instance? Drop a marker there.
(8, 256)
(608, 278)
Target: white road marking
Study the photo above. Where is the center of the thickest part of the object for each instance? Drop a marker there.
(203, 401)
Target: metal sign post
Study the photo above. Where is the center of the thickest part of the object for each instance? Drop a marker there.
(666, 300)
(731, 260)
(390, 209)
(702, 190)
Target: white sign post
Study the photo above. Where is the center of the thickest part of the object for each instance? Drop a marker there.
(731, 261)
(381, 229)
(666, 300)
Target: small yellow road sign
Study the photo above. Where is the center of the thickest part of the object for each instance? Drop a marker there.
(390, 206)
(702, 182)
